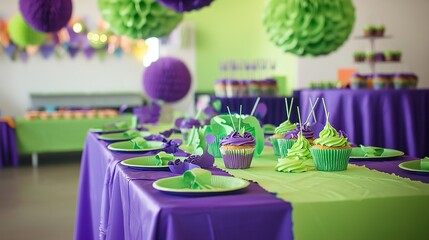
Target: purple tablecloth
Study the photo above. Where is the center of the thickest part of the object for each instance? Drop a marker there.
(390, 165)
(276, 109)
(116, 202)
(394, 119)
(8, 149)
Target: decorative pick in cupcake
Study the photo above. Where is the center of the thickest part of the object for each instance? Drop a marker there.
(304, 129)
(237, 147)
(329, 137)
(299, 158)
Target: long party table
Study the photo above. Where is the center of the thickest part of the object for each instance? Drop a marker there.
(116, 202)
(58, 135)
(8, 149)
(276, 107)
(388, 118)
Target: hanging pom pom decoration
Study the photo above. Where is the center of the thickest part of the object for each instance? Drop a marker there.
(22, 34)
(46, 15)
(167, 79)
(139, 19)
(309, 27)
(185, 5)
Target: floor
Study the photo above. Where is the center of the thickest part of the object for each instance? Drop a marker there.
(39, 203)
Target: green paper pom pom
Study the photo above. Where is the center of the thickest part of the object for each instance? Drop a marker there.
(139, 19)
(22, 34)
(309, 27)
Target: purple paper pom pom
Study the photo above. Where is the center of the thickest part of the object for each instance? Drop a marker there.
(46, 15)
(185, 5)
(167, 79)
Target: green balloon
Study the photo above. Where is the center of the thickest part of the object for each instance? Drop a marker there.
(309, 27)
(22, 34)
(139, 19)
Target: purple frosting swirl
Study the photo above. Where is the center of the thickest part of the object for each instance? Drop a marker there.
(343, 134)
(236, 139)
(189, 123)
(306, 132)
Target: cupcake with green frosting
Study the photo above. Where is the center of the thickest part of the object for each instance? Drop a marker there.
(331, 151)
(298, 159)
(279, 133)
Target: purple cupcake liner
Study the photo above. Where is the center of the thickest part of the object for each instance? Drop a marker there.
(237, 159)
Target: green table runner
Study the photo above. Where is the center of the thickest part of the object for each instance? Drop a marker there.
(355, 204)
(58, 135)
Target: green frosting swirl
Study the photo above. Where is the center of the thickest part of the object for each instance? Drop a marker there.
(298, 159)
(330, 137)
(284, 127)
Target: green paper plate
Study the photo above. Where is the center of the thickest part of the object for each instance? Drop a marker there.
(127, 146)
(146, 163)
(413, 166)
(357, 153)
(119, 136)
(100, 130)
(221, 185)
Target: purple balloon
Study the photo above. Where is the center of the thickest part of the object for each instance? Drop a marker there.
(185, 5)
(46, 15)
(167, 79)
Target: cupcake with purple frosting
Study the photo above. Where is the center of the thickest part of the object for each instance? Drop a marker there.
(237, 149)
(187, 125)
(291, 137)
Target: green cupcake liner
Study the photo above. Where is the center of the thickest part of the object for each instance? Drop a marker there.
(284, 146)
(275, 145)
(330, 160)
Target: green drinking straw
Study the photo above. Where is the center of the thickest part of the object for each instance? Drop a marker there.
(230, 116)
(324, 107)
(254, 106)
(239, 119)
(312, 110)
(299, 118)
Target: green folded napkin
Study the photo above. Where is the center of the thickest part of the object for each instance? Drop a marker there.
(115, 126)
(198, 178)
(163, 158)
(138, 143)
(132, 134)
(372, 151)
(424, 163)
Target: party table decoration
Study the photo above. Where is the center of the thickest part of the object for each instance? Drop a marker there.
(46, 15)
(167, 79)
(424, 163)
(309, 27)
(179, 167)
(139, 143)
(163, 158)
(22, 34)
(198, 178)
(221, 125)
(139, 19)
(372, 151)
(280, 131)
(185, 5)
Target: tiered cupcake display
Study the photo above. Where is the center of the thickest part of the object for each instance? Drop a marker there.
(246, 78)
(400, 80)
(71, 114)
(373, 56)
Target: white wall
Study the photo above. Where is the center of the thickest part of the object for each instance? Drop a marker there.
(18, 79)
(405, 21)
